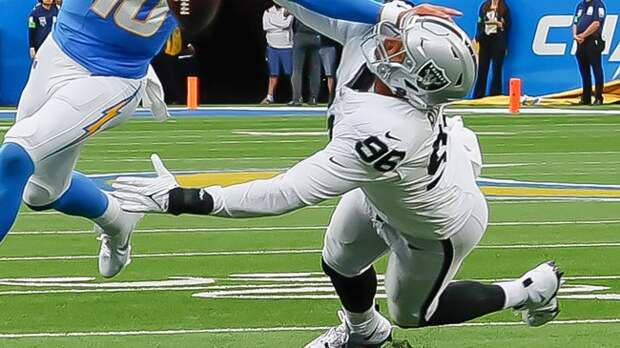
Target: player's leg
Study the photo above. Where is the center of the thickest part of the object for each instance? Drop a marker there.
(55, 185)
(420, 288)
(16, 165)
(53, 136)
(351, 247)
(420, 271)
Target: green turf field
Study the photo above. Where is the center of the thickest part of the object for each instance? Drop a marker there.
(210, 282)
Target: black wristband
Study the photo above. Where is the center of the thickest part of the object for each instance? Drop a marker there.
(189, 201)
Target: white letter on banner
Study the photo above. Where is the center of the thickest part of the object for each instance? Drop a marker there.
(540, 45)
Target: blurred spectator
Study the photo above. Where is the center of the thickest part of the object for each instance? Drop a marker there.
(174, 64)
(492, 36)
(589, 20)
(329, 62)
(278, 27)
(40, 22)
(306, 44)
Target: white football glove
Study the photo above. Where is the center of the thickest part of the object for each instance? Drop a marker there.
(146, 195)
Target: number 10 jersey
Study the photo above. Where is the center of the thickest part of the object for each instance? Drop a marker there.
(114, 37)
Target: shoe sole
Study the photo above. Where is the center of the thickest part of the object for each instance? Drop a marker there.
(559, 274)
(374, 345)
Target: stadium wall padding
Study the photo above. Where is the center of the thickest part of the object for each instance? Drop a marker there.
(14, 58)
(540, 48)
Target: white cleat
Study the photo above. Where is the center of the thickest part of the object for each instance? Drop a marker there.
(542, 285)
(115, 251)
(342, 337)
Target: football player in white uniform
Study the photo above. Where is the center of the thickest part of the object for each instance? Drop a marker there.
(408, 180)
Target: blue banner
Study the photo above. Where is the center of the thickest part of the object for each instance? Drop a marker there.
(14, 57)
(541, 50)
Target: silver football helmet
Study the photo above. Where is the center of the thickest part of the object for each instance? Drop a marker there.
(439, 64)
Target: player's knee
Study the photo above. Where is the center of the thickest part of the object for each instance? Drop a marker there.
(335, 262)
(15, 160)
(38, 198)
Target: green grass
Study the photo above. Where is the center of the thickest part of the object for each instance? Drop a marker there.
(548, 148)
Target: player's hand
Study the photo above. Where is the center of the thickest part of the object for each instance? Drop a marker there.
(144, 195)
(579, 38)
(430, 10)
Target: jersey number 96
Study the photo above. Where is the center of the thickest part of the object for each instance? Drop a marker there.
(373, 150)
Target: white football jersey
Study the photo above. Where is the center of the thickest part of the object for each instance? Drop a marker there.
(414, 171)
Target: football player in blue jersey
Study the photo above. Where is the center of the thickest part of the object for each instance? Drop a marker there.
(88, 77)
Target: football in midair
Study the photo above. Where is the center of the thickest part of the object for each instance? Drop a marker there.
(194, 15)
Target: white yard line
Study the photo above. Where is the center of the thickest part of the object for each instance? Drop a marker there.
(491, 200)
(172, 332)
(302, 228)
(146, 159)
(300, 252)
(184, 230)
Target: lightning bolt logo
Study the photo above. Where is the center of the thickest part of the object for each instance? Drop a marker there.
(106, 116)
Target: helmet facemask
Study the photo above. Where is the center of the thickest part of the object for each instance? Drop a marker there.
(421, 77)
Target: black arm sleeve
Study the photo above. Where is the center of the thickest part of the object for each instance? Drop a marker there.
(190, 201)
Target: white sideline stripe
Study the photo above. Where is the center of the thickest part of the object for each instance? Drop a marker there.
(281, 134)
(142, 159)
(299, 252)
(552, 223)
(491, 200)
(297, 228)
(269, 329)
(549, 112)
(186, 230)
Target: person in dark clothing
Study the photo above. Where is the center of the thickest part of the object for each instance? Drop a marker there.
(174, 64)
(329, 61)
(587, 28)
(40, 22)
(306, 45)
(492, 36)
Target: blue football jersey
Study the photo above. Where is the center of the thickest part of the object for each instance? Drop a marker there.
(114, 37)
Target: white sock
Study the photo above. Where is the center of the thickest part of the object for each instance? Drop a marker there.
(362, 323)
(111, 216)
(270, 97)
(516, 294)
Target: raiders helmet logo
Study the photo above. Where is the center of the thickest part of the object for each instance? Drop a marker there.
(432, 78)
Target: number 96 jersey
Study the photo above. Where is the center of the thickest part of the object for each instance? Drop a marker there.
(419, 176)
(114, 37)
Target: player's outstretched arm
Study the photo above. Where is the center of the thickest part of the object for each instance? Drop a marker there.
(332, 27)
(326, 174)
(371, 11)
